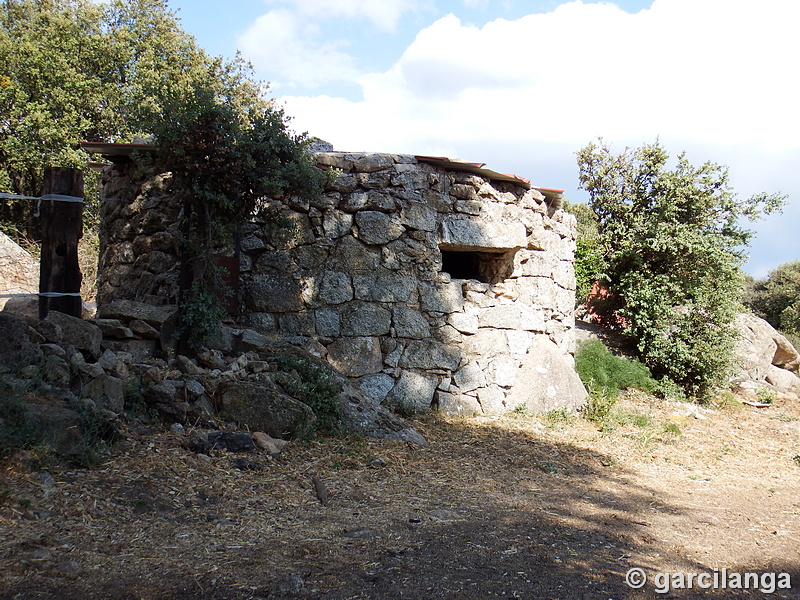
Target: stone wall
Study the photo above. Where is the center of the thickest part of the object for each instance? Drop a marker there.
(139, 238)
(427, 286)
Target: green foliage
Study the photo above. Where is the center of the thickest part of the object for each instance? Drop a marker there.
(589, 263)
(605, 376)
(603, 373)
(74, 70)
(776, 298)
(673, 246)
(229, 151)
(313, 383)
(599, 406)
(766, 395)
(559, 416)
(201, 315)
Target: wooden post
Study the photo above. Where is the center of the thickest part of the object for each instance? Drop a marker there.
(62, 227)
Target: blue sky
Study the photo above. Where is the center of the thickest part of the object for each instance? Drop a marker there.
(522, 85)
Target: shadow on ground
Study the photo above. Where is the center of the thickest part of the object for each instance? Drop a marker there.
(481, 512)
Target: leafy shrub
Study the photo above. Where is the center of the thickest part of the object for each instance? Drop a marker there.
(314, 384)
(603, 373)
(672, 246)
(599, 406)
(765, 395)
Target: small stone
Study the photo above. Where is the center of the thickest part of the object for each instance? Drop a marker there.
(144, 330)
(186, 365)
(233, 442)
(177, 428)
(194, 388)
(267, 443)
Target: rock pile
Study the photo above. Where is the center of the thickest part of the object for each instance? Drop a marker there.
(66, 371)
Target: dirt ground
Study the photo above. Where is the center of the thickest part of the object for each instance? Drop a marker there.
(513, 507)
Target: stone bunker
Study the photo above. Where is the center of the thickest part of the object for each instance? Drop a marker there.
(430, 283)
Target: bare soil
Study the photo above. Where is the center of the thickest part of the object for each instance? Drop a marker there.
(512, 507)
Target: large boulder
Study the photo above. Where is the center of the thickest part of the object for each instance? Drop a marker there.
(363, 415)
(263, 406)
(19, 271)
(764, 356)
(546, 381)
(128, 310)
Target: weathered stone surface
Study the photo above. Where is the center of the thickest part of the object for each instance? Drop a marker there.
(128, 310)
(417, 215)
(25, 307)
(469, 377)
(274, 294)
(464, 322)
(113, 329)
(17, 348)
(107, 392)
(384, 287)
(144, 330)
(57, 427)
(464, 232)
(786, 356)
(356, 356)
(336, 223)
(546, 381)
(369, 163)
(493, 400)
(378, 228)
(759, 347)
(267, 443)
(262, 406)
(362, 319)
(335, 287)
(19, 271)
(376, 387)
(430, 354)
(375, 257)
(231, 441)
(783, 380)
(457, 404)
(413, 390)
(361, 415)
(247, 340)
(410, 323)
(442, 297)
(84, 335)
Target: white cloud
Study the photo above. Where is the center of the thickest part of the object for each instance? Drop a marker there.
(712, 70)
(714, 75)
(384, 14)
(291, 49)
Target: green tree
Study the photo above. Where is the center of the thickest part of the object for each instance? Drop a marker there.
(227, 157)
(673, 248)
(776, 298)
(74, 70)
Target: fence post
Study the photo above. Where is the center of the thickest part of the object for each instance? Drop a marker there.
(62, 227)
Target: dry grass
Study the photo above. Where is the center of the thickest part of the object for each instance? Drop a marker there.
(491, 507)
